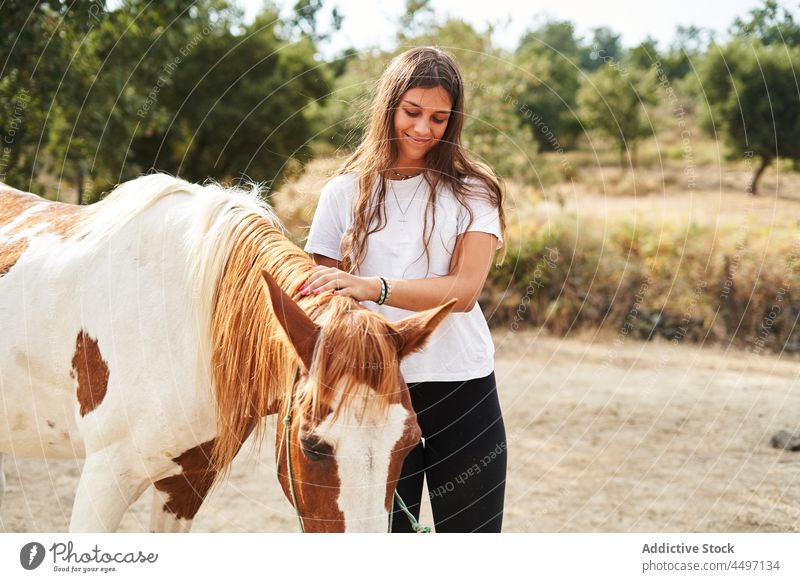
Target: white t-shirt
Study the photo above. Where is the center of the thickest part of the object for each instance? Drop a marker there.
(461, 347)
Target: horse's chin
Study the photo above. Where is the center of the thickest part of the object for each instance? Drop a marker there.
(370, 525)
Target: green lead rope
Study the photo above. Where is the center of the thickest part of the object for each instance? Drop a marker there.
(287, 421)
(415, 525)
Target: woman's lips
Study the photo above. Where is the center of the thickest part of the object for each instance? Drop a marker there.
(417, 140)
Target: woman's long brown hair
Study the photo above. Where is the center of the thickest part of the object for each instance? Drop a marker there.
(447, 164)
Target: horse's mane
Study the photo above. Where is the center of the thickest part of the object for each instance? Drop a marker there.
(251, 361)
(131, 198)
(234, 236)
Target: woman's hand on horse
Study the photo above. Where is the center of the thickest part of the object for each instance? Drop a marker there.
(341, 283)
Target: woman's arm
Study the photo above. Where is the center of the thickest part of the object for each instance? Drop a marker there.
(469, 266)
(325, 261)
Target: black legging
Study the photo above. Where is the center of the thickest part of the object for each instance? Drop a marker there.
(463, 457)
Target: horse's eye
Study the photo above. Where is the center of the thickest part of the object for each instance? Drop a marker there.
(314, 449)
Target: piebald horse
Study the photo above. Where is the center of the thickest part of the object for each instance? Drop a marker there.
(151, 334)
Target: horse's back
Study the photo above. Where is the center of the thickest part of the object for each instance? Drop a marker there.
(97, 333)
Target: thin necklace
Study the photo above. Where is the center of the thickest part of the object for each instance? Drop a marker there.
(410, 202)
(401, 175)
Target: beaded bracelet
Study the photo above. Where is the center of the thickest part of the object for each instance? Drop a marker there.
(382, 296)
(388, 290)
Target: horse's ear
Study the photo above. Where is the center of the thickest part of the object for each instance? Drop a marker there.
(299, 327)
(414, 331)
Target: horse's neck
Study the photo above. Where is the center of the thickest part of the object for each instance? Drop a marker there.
(251, 364)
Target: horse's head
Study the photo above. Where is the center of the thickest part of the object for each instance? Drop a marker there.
(352, 424)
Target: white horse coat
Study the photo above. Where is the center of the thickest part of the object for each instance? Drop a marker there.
(114, 320)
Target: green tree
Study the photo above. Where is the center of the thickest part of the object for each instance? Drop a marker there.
(555, 37)
(304, 22)
(686, 50)
(550, 58)
(643, 55)
(752, 101)
(236, 106)
(768, 24)
(96, 96)
(140, 49)
(416, 19)
(38, 44)
(612, 101)
(605, 44)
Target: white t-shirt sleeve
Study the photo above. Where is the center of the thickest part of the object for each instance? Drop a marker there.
(328, 225)
(485, 216)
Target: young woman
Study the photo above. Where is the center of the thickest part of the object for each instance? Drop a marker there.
(410, 222)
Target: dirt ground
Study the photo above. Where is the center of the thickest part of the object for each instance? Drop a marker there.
(640, 438)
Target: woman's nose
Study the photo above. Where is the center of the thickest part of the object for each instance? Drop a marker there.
(422, 128)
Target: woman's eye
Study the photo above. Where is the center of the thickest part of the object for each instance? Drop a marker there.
(436, 120)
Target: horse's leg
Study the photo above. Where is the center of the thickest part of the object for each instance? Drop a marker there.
(109, 484)
(178, 498)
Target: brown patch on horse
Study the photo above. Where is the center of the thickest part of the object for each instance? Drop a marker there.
(402, 448)
(91, 370)
(57, 217)
(320, 515)
(188, 490)
(316, 485)
(14, 202)
(10, 254)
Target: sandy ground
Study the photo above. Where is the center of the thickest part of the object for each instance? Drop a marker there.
(644, 438)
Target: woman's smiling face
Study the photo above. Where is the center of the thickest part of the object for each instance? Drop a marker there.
(420, 121)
